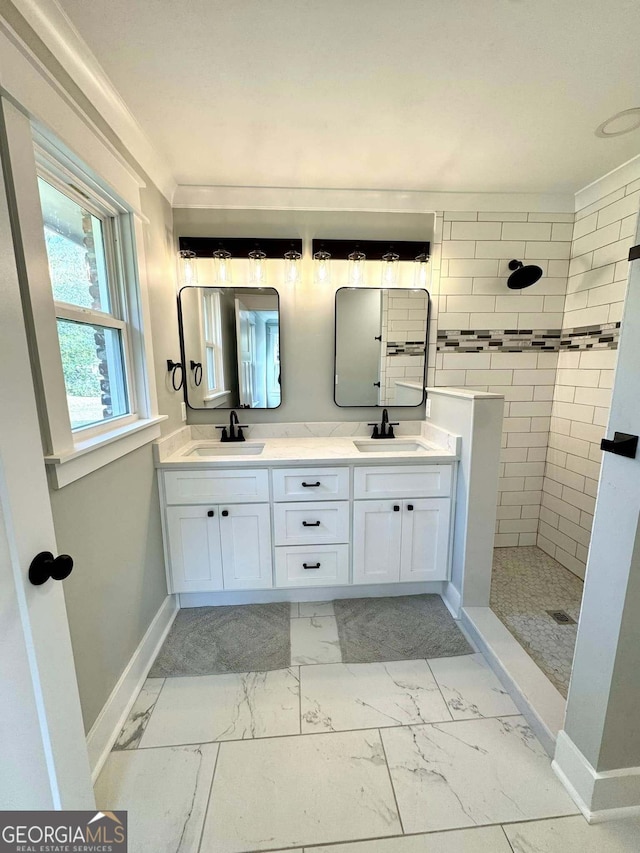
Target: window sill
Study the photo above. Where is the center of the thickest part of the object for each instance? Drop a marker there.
(94, 453)
(215, 396)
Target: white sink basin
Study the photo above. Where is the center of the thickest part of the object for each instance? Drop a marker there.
(240, 448)
(389, 445)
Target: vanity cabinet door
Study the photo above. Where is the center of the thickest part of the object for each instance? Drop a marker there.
(194, 548)
(245, 534)
(425, 540)
(377, 534)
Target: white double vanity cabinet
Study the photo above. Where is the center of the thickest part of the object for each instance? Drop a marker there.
(259, 515)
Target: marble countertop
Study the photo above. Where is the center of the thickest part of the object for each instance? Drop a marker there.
(316, 450)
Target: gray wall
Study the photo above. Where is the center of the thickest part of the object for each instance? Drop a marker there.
(109, 521)
(306, 310)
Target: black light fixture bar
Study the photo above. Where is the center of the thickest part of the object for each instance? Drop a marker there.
(408, 250)
(239, 247)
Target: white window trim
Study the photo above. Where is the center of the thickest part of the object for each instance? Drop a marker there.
(70, 455)
(210, 316)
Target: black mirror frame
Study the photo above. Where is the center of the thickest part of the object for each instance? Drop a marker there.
(335, 350)
(183, 349)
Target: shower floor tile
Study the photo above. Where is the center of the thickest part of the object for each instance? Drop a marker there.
(525, 584)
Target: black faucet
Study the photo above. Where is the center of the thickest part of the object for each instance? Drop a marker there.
(235, 429)
(385, 429)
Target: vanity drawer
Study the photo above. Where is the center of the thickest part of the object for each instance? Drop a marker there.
(403, 481)
(233, 486)
(326, 565)
(315, 523)
(311, 484)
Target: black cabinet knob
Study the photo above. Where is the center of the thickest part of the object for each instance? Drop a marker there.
(410, 507)
(225, 513)
(396, 508)
(211, 513)
(44, 566)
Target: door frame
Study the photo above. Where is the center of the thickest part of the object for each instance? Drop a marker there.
(47, 724)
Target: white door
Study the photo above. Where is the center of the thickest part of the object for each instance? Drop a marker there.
(195, 550)
(377, 530)
(245, 532)
(245, 334)
(43, 754)
(425, 539)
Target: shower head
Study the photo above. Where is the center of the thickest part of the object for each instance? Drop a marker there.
(522, 276)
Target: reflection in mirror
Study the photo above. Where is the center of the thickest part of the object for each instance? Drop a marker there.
(231, 347)
(381, 346)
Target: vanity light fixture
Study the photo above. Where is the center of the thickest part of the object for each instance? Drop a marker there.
(421, 278)
(390, 268)
(357, 260)
(222, 266)
(292, 260)
(321, 260)
(257, 268)
(187, 270)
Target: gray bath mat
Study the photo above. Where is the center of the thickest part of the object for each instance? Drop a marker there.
(210, 640)
(402, 628)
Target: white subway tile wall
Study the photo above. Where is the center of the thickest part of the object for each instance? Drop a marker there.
(469, 293)
(556, 403)
(596, 286)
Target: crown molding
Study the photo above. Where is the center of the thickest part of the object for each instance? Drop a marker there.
(50, 23)
(374, 201)
(614, 180)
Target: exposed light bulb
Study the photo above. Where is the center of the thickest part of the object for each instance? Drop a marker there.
(421, 278)
(292, 260)
(187, 269)
(222, 266)
(257, 267)
(356, 268)
(321, 261)
(390, 269)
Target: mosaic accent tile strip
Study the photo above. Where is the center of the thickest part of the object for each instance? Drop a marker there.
(405, 348)
(602, 336)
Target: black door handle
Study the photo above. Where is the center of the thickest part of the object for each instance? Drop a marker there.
(225, 513)
(309, 566)
(44, 566)
(622, 444)
(311, 524)
(376, 384)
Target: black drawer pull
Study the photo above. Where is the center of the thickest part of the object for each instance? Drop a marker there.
(311, 485)
(210, 513)
(311, 524)
(224, 513)
(410, 507)
(396, 508)
(309, 566)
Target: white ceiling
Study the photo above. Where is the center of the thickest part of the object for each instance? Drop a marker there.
(457, 95)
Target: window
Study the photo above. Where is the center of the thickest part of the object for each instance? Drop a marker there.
(212, 343)
(81, 238)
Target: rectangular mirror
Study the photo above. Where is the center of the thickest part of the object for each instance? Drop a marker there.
(380, 346)
(230, 340)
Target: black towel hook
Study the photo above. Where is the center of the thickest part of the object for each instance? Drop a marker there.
(196, 366)
(172, 367)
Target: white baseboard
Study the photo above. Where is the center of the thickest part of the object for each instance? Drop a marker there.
(452, 598)
(107, 727)
(600, 796)
(327, 593)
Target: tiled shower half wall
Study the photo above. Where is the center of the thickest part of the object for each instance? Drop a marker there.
(550, 349)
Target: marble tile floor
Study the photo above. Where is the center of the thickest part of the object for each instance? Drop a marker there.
(418, 756)
(526, 583)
